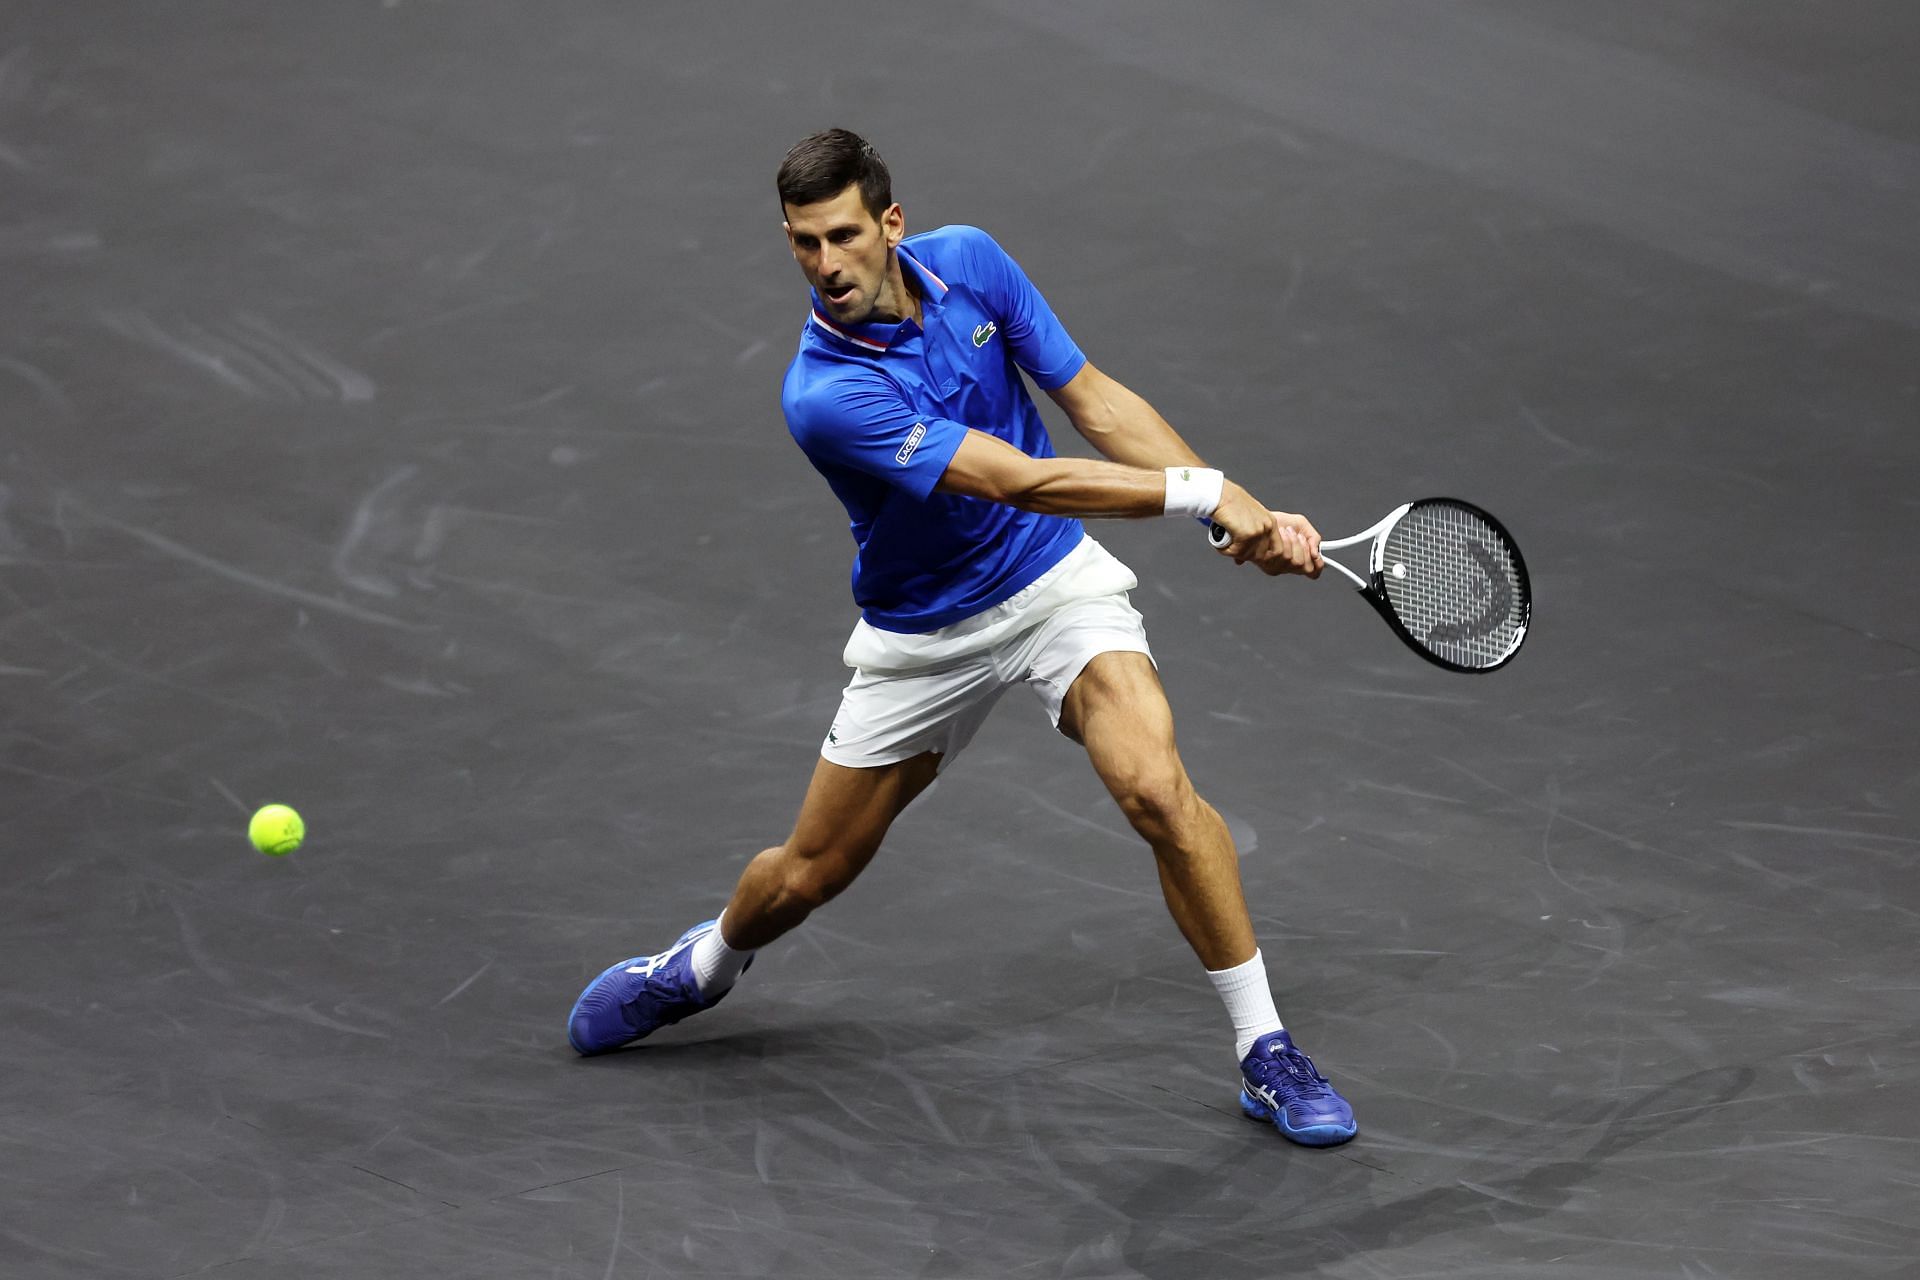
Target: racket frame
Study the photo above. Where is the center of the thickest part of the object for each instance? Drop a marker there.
(1373, 586)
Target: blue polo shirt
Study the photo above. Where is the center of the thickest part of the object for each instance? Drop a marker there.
(879, 409)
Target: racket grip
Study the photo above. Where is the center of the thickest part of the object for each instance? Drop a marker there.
(1217, 535)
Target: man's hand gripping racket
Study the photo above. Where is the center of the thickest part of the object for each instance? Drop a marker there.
(1446, 576)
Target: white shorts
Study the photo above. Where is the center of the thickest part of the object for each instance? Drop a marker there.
(932, 690)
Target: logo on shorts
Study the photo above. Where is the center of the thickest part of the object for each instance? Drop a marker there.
(833, 735)
(982, 332)
(914, 437)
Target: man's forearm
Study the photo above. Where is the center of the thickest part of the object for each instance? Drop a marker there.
(987, 467)
(1091, 489)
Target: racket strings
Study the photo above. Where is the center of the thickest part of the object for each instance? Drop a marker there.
(1456, 584)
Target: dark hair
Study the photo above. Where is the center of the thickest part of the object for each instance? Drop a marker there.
(822, 166)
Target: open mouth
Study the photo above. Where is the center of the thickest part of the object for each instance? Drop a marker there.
(837, 293)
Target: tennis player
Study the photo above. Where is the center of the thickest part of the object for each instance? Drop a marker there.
(974, 574)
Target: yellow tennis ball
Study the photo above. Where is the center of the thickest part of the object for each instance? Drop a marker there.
(276, 830)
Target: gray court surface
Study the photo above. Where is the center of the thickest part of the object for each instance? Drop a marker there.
(389, 426)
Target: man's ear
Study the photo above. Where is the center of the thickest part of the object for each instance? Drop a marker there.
(894, 223)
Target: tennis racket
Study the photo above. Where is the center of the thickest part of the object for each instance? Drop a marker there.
(1447, 577)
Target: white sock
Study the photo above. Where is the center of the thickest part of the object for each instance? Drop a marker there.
(1249, 1002)
(715, 964)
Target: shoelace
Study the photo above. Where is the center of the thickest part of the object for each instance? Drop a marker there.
(1310, 1084)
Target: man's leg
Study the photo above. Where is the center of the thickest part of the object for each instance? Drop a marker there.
(841, 823)
(842, 820)
(1117, 709)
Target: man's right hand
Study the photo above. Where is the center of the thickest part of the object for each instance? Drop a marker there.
(1278, 541)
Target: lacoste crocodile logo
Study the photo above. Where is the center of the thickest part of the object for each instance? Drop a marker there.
(982, 332)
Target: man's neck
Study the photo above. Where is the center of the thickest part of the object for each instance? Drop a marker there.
(904, 292)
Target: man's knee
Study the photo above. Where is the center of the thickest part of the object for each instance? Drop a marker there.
(813, 875)
(1156, 797)
(841, 824)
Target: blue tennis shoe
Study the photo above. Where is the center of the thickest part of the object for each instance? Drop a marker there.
(1280, 1084)
(637, 997)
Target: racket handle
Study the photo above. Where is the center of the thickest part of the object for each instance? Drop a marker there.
(1219, 538)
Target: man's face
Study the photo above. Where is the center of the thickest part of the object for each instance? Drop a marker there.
(845, 252)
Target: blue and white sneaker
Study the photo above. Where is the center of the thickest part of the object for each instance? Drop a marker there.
(637, 997)
(1278, 1083)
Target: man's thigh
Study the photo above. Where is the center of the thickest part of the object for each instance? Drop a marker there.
(1117, 706)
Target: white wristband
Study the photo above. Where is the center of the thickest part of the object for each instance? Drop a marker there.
(1193, 491)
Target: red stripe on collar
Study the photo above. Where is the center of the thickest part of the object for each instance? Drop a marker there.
(838, 332)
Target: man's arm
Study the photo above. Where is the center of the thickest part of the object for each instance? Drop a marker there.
(1120, 424)
(987, 467)
(1128, 430)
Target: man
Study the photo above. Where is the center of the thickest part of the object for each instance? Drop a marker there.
(974, 574)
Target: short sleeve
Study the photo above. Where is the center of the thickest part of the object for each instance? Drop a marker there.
(1035, 336)
(862, 422)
